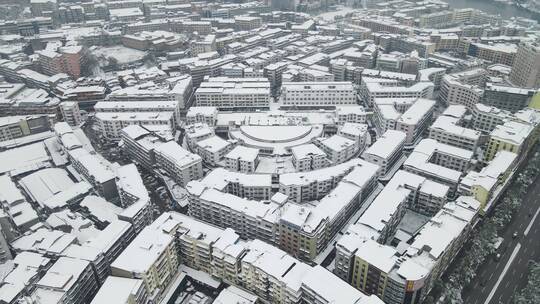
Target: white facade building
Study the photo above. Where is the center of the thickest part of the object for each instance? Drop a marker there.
(355, 131)
(317, 94)
(338, 148)
(386, 150)
(71, 113)
(213, 149)
(242, 159)
(197, 132)
(440, 162)
(111, 123)
(308, 157)
(228, 93)
(447, 129)
(181, 165)
(207, 115)
(372, 88)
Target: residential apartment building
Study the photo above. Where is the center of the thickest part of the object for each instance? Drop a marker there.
(204, 45)
(213, 149)
(404, 277)
(132, 107)
(416, 119)
(181, 165)
(386, 151)
(96, 170)
(247, 23)
(301, 230)
(197, 132)
(440, 162)
(494, 52)
(356, 132)
(133, 197)
(317, 94)
(486, 118)
(447, 129)
(249, 218)
(151, 257)
(250, 186)
(526, 67)
(207, 115)
(507, 98)
(180, 90)
(373, 88)
(338, 148)
(482, 185)
(308, 157)
(112, 240)
(122, 291)
(242, 159)
(237, 93)
(304, 231)
(258, 267)
(308, 186)
(512, 136)
(354, 114)
(110, 124)
(78, 283)
(71, 113)
(12, 127)
(68, 60)
(409, 115)
(140, 143)
(464, 88)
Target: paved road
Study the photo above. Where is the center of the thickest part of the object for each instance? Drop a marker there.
(497, 281)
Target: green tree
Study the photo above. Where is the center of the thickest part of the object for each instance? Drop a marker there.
(530, 294)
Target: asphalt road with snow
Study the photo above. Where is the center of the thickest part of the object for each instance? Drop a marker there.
(498, 280)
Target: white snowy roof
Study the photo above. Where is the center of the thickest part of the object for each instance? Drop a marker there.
(129, 180)
(63, 274)
(354, 129)
(45, 183)
(251, 208)
(44, 241)
(243, 153)
(23, 159)
(387, 144)
(306, 150)
(101, 209)
(135, 116)
(448, 124)
(420, 109)
(305, 178)
(381, 256)
(96, 165)
(512, 131)
(81, 227)
(333, 290)
(500, 164)
(337, 143)
(176, 154)
(419, 159)
(213, 144)
(219, 178)
(10, 194)
(117, 290)
(234, 295)
(205, 111)
(143, 251)
(109, 236)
